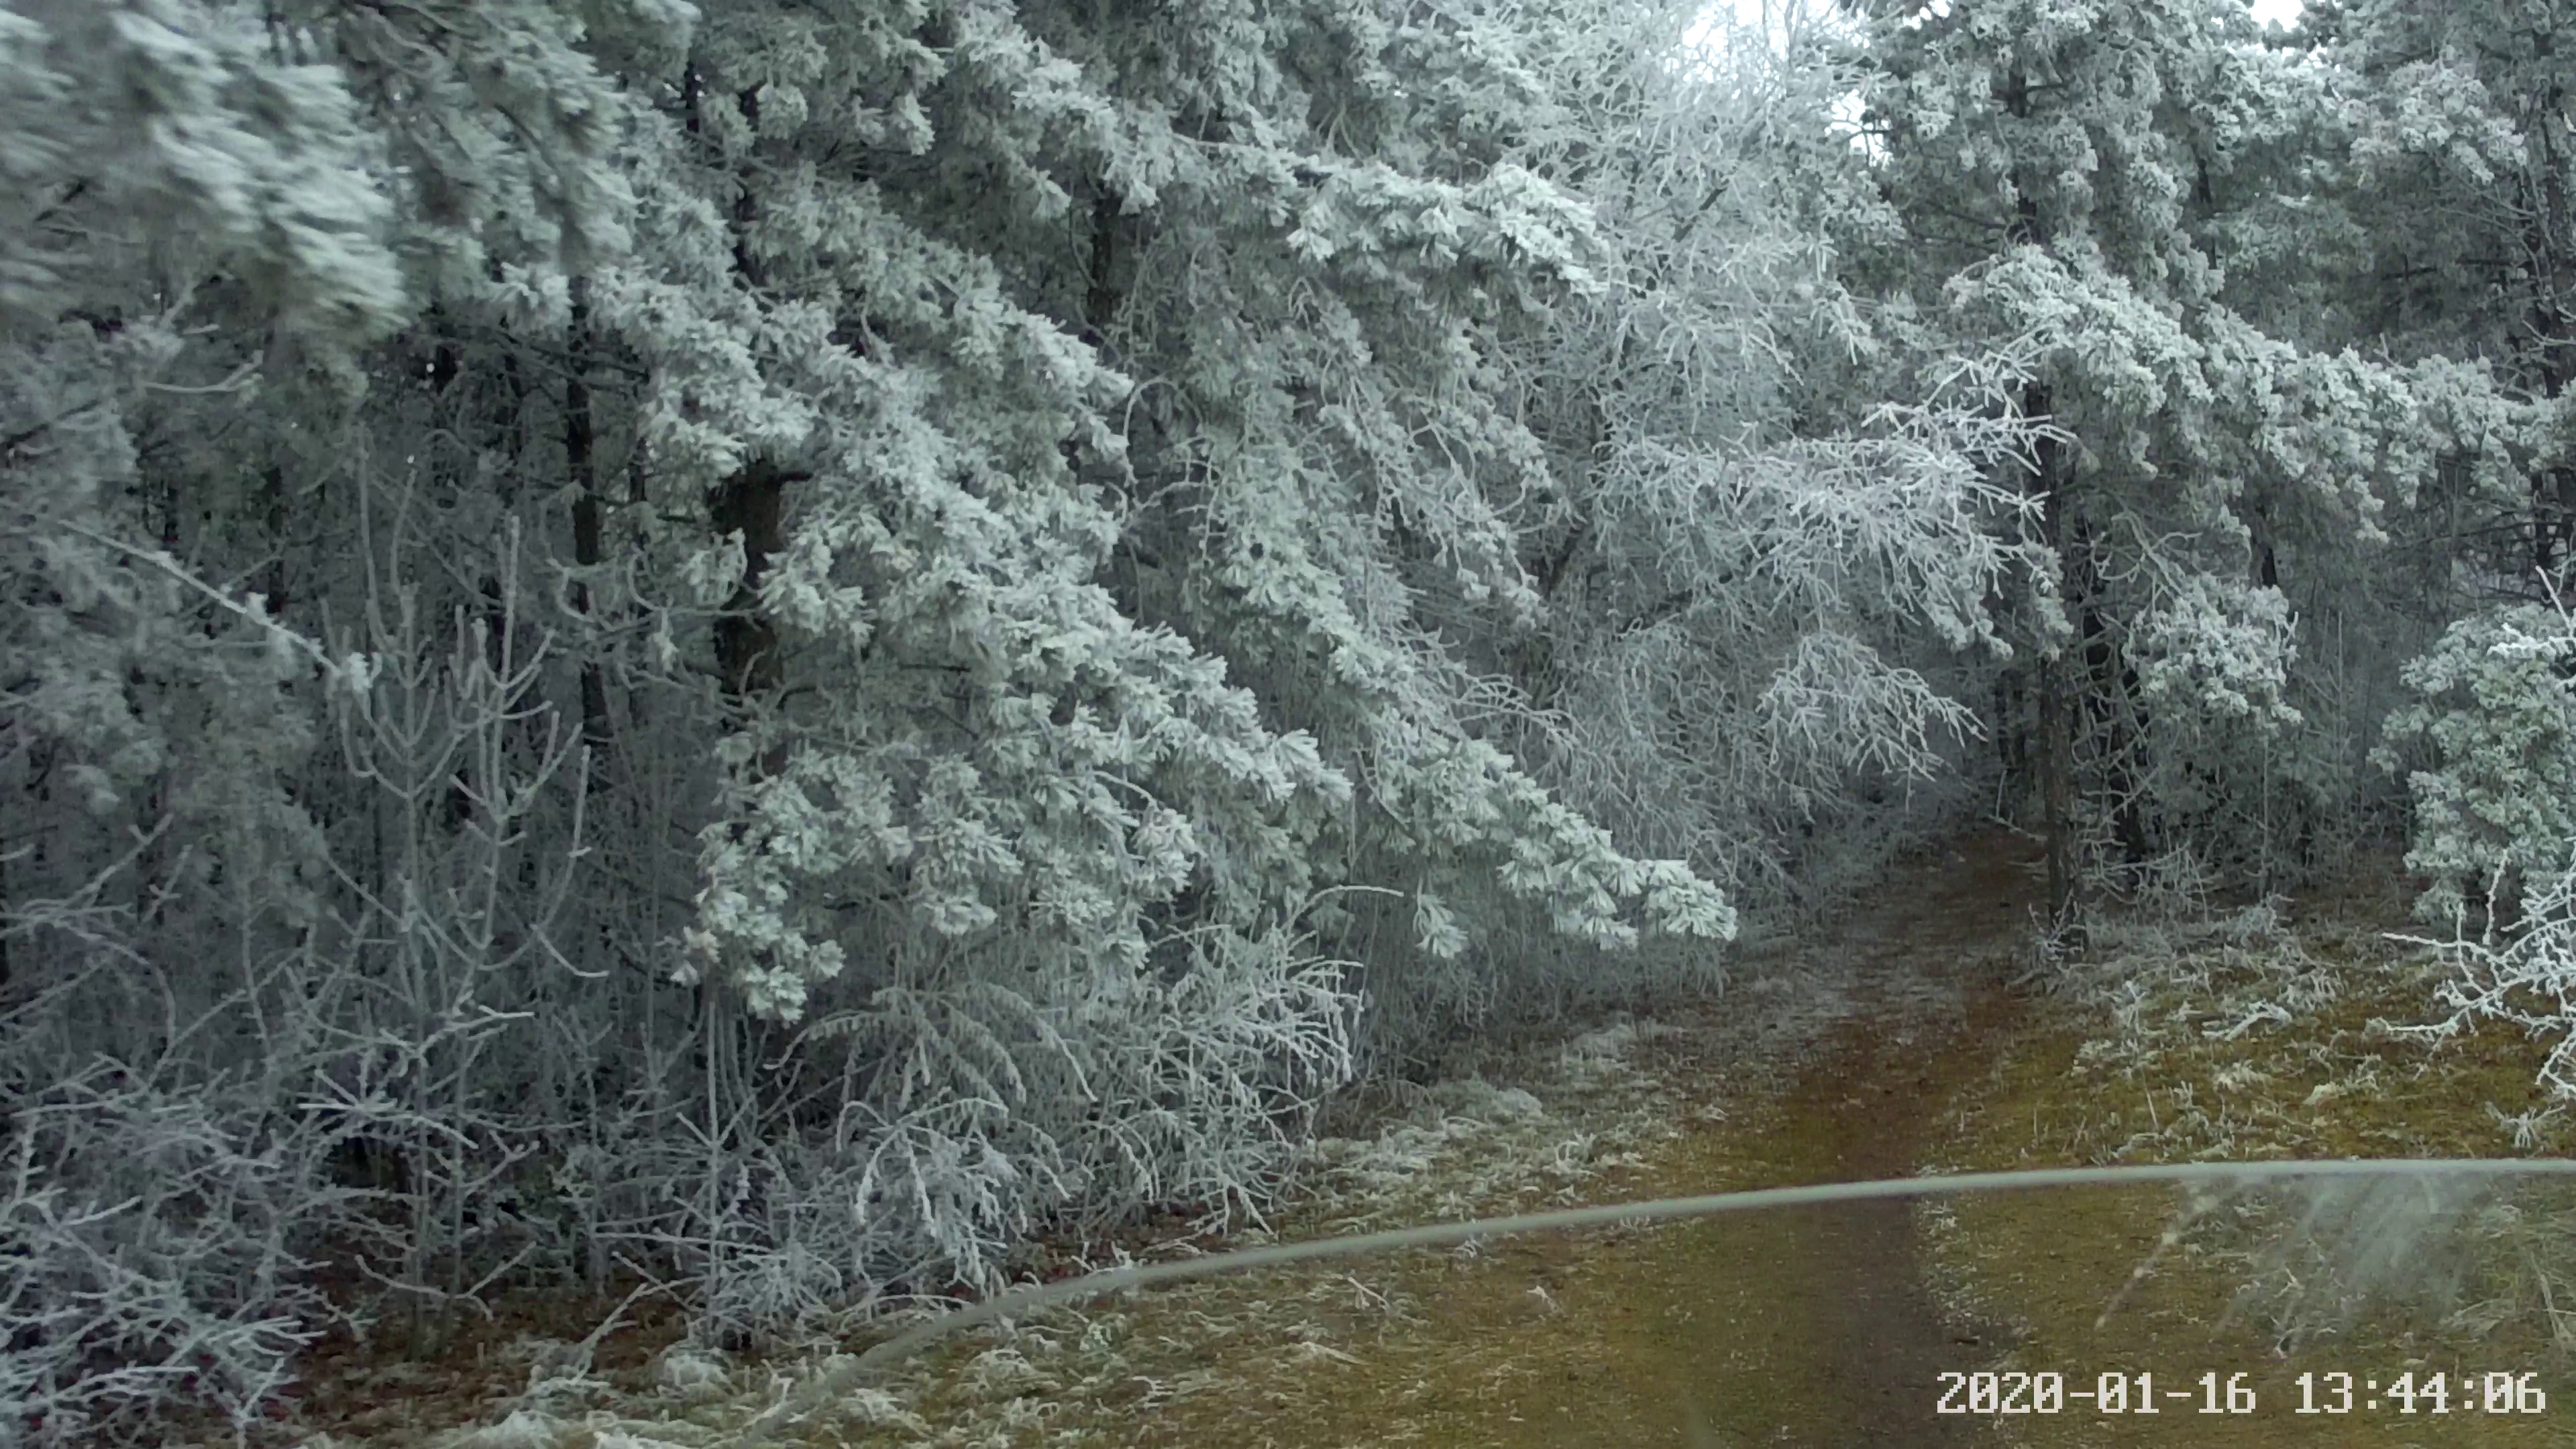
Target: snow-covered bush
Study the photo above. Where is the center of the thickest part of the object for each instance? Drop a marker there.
(155, 1239)
(2493, 725)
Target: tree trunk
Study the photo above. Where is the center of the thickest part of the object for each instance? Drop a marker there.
(588, 548)
(752, 502)
(2054, 666)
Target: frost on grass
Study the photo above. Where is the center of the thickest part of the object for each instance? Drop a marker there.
(2323, 1252)
(2223, 1036)
(1467, 1145)
(530, 1429)
(1525, 1129)
(523, 1429)
(2169, 981)
(687, 1369)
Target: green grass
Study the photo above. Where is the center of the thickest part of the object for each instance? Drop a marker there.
(2143, 1061)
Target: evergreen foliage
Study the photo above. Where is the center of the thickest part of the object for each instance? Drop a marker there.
(775, 645)
(2152, 200)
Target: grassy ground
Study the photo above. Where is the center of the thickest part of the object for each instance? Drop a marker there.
(1892, 1047)
(2165, 1048)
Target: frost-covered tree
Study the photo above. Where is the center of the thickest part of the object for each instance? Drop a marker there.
(193, 249)
(1117, 381)
(775, 642)
(1769, 551)
(2450, 215)
(2088, 181)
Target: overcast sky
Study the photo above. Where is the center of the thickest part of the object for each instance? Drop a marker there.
(1766, 16)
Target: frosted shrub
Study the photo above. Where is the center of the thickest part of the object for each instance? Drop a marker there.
(2495, 724)
(2496, 815)
(1188, 1087)
(2525, 976)
(152, 1241)
(1202, 1081)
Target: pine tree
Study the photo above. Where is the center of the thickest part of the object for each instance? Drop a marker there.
(2081, 180)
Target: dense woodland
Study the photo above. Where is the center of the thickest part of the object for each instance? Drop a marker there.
(763, 647)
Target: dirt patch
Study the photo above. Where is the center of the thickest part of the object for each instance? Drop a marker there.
(1883, 1339)
(1869, 1105)
(1872, 1107)
(1813, 1327)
